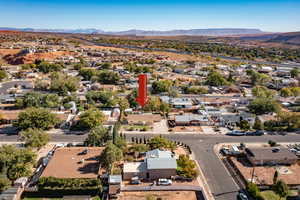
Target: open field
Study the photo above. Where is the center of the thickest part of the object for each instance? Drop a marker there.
(165, 195)
(72, 163)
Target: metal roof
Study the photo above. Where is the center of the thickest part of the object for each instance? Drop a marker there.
(190, 117)
(156, 153)
(161, 163)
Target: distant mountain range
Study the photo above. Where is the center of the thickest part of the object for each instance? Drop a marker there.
(193, 32)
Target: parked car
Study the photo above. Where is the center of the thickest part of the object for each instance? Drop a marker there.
(164, 181)
(276, 149)
(242, 196)
(225, 152)
(236, 133)
(135, 180)
(255, 133)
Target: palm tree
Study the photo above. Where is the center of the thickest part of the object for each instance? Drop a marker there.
(281, 189)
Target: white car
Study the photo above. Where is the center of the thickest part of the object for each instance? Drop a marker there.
(164, 181)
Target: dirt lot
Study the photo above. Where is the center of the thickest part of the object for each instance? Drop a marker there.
(187, 129)
(265, 174)
(68, 163)
(164, 195)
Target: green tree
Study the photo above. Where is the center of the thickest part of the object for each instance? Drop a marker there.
(253, 189)
(294, 73)
(295, 91)
(258, 78)
(51, 101)
(4, 184)
(216, 79)
(46, 67)
(104, 97)
(90, 119)
(275, 177)
(88, 73)
(97, 136)
(159, 142)
(244, 125)
(111, 154)
(261, 106)
(63, 83)
(3, 75)
(261, 91)
(106, 66)
(195, 90)
(258, 125)
(116, 129)
(186, 167)
(36, 118)
(108, 77)
(10, 156)
(18, 170)
(286, 92)
(123, 104)
(138, 148)
(161, 86)
(34, 138)
(281, 189)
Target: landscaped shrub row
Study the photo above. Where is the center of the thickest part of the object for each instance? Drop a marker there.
(52, 183)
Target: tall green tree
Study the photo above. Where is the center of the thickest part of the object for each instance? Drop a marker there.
(19, 170)
(34, 138)
(275, 177)
(36, 118)
(294, 73)
(111, 154)
(90, 119)
(4, 184)
(258, 125)
(161, 86)
(97, 136)
(3, 75)
(261, 106)
(216, 79)
(108, 77)
(281, 189)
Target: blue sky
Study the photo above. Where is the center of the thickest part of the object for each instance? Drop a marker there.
(114, 15)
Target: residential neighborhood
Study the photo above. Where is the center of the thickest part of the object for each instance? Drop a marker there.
(83, 120)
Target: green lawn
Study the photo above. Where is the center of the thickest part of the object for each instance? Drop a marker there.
(270, 195)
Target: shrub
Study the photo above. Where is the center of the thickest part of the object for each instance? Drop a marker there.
(272, 143)
(53, 183)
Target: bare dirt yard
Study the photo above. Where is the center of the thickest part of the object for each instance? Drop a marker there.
(265, 174)
(164, 195)
(187, 129)
(74, 162)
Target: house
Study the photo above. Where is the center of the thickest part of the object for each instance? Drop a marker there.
(157, 164)
(181, 102)
(270, 156)
(191, 120)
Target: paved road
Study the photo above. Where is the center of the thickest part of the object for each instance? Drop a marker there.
(221, 183)
(6, 85)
